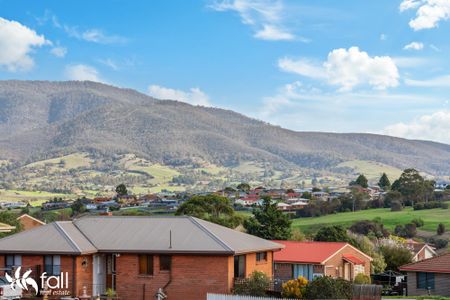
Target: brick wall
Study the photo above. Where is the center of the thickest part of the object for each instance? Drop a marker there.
(191, 277)
(252, 265)
(283, 271)
(338, 262)
(441, 288)
(29, 223)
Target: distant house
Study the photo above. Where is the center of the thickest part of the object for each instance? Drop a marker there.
(12, 205)
(429, 277)
(420, 251)
(28, 222)
(185, 257)
(315, 259)
(6, 228)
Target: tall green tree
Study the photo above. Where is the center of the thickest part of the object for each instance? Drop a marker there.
(121, 190)
(332, 233)
(413, 186)
(212, 208)
(384, 182)
(361, 181)
(244, 187)
(268, 222)
(396, 256)
(440, 229)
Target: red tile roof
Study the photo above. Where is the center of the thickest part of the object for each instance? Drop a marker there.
(306, 252)
(353, 259)
(438, 264)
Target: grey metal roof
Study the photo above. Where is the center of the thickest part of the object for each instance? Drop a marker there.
(57, 238)
(134, 234)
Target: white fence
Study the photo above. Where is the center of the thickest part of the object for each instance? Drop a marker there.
(237, 297)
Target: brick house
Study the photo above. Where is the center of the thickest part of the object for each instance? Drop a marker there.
(429, 277)
(313, 259)
(136, 256)
(28, 222)
(420, 251)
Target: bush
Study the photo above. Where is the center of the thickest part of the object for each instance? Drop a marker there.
(329, 288)
(439, 243)
(333, 233)
(396, 206)
(418, 222)
(440, 229)
(362, 279)
(407, 231)
(370, 227)
(256, 285)
(430, 205)
(396, 256)
(295, 288)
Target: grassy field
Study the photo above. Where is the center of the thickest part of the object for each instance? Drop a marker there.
(71, 161)
(372, 170)
(431, 217)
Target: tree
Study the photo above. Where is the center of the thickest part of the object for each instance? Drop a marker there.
(440, 229)
(77, 207)
(361, 181)
(333, 233)
(392, 196)
(407, 231)
(268, 222)
(395, 256)
(121, 190)
(384, 182)
(396, 206)
(244, 187)
(214, 208)
(412, 185)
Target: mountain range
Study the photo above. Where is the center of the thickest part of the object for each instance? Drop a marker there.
(42, 119)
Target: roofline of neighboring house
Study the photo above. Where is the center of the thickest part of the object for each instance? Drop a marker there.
(410, 266)
(425, 246)
(297, 262)
(46, 252)
(425, 270)
(346, 245)
(33, 218)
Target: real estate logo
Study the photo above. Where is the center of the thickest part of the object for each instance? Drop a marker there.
(22, 282)
(58, 283)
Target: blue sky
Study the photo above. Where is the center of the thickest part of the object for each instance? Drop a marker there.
(342, 66)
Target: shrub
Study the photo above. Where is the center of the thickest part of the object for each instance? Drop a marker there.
(256, 285)
(362, 279)
(430, 205)
(418, 222)
(369, 227)
(329, 288)
(407, 231)
(396, 256)
(440, 229)
(439, 243)
(396, 206)
(295, 288)
(333, 233)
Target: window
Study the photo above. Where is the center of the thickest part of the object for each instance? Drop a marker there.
(261, 256)
(12, 261)
(52, 265)
(239, 266)
(425, 281)
(146, 264)
(165, 262)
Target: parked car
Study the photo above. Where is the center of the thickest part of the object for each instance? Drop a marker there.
(6, 292)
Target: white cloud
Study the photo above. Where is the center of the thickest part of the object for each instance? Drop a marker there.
(383, 37)
(429, 12)
(414, 46)
(441, 81)
(16, 45)
(348, 69)
(434, 127)
(109, 63)
(435, 48)
(82, 72)
(265, 16)
(272, 33)
(98, 36)
(302, 67)
(194, 96)
(409, 4)
(59, 51)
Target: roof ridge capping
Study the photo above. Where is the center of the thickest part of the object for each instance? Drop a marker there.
(66, 236)
(207, 231)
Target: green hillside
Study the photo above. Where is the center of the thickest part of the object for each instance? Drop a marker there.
(431, 217)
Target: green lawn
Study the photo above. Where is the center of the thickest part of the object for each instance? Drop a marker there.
(431, 217)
